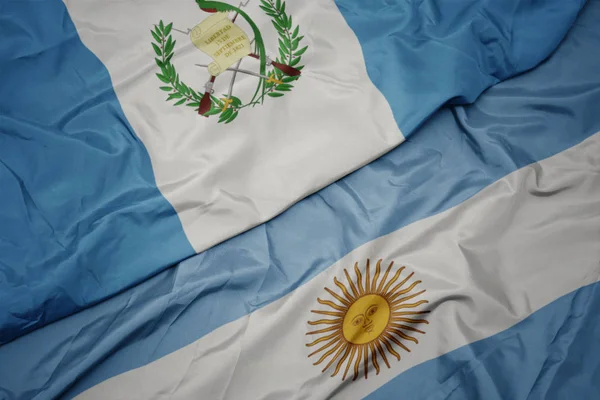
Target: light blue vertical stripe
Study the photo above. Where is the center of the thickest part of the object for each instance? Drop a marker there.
(424, 53)
(80, 215)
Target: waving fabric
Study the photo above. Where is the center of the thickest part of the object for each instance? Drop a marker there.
(489, 213)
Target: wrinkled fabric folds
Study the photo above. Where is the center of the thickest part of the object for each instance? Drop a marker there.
(460, 151)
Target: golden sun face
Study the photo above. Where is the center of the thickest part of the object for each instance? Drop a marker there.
(366, 319)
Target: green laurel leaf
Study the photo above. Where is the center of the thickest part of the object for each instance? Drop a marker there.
(283, 46)
(236, 101)
(166, 88)
(301, 51)
(170, 45)
(193, 104)
(295, 43)
(162, 26)
(233, 116)
(296, 31)
(226, 114)
(175, 95)
(180, 102)
(155, 36)
(284, 87)
(162, 78)
(168, 29)
(277, 27)
(278, 4)
(212, 111)
(157, 50)
(274, 94)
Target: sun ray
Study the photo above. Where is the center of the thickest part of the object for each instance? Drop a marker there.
(399, 285)
(328, 352)
(349, 363)
(404, 335)
(382, 353)
(332, 305)
(344, 290)
(366, 316)
(393, 339)
(407, 328)
(336, 339)
(326, 321)
(339, 364)
(395, 293)
(409, 320)
(361, 291)
(377, 271)
(374, 358)
(398, 313)
(338, 297)
(335, 357)
(390, 348)
(325, 330)
(366, 360)
(330, 313)
(409, 305)
(368, 277)
(322, 339)
(394, 278)
(352, 287)
(359, 353)
(403, 299)
(389, 268)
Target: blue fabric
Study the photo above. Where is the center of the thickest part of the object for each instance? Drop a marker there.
(460, 151)
(424, 53)
(80, 215)
(553, 354)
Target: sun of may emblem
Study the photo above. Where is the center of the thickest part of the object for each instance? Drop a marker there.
(226, 43)
(366, 318)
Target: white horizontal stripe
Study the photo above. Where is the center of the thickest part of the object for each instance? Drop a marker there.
(224, 179)
(487, 264)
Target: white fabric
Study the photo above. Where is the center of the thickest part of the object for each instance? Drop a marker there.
(481, 262)
(224, 179)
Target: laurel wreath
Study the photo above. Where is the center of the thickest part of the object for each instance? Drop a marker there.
(289, 53)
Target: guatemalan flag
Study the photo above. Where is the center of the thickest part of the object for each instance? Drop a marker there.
(157, 241)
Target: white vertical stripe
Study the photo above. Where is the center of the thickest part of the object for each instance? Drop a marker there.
(223, 179)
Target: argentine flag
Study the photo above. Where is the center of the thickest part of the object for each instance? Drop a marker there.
(461, 264)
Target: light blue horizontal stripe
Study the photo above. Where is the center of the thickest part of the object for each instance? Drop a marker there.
(424, 53)
(459, 152)
(553, 354)
(78, 200)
